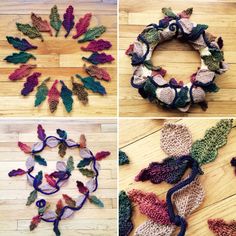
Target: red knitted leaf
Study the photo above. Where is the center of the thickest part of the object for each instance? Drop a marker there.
(68, 21)
(82, 25)
(30, 84)
(97, 72)
(59, 207)
(16, 172)
(40, 24)
(130, 50)
(97, 45)
(41, 133)
(50, 180)
(101, 155)
(220, 228)
(53, 97)
(34, 222)
(24, 147)
(82, 189)
(21, 72)
(69, 201)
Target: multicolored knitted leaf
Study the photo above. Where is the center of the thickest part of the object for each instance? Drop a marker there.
(97, 72)
(69, 201)
(82, 25)
(20, 44)
(68, 21)
(32, 197)
(123, 158)
(34, 222)
(86, 172)
(84, 162)
(55, 20)
(80, 92)
(220, 228)
(40, 160)
(70, 164)
(53, 97)
(93, 33)
(16, 172)
(186, 13)
(82, 189)
(30, 84)
(66, 95)
(99, 58)
(38, 179)
(97, 45)
(40, 24)
(41, 133)
(62, 149)
(96, 201)
(50, 180)
(205, 150)
(168, 12)
(42, 92)
(102, 155)
(21, 72)
(29, 31)
(24, 147)
(21, 57)
(59, 207)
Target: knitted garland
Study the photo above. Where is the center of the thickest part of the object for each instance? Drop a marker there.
(188, 193)
(149, 79)
(58, 178)
(78, 89)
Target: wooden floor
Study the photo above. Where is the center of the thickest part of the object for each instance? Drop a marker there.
(15, 216)
(140, 139)
(179, 59)
(58, 58)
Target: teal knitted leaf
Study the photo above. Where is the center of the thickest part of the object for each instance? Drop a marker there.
(70, 164)
(21, 57)
(84, 162)
(182, 97)
(96, 201)
(40, 160)
(150, 90)
(66, 95)
(42, 92)
(123, 158)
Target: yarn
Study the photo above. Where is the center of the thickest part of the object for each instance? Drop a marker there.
(220, 228)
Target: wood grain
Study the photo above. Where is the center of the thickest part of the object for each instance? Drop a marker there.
(178, 58)
(15, 216)
(218, 179)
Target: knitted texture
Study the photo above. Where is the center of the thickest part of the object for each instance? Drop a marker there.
(123, 158)
(220, 228)
(233, 163)
(53, 97)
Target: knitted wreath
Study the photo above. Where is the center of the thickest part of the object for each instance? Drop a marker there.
(187, 193)
(56, 179)
(78, 89)
(149, 79)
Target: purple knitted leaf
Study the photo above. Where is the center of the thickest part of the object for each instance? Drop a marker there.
(30, 84)
(170, 170)
(68, 21)
(16, 172)
(20, 44)
(58, 174)
(41, 133)
(97, 45)
(99, 58)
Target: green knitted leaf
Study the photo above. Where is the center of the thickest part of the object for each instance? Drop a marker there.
(21, 57)
(42, 92)
(84, 162)
(148, 64)
(55, 20)
(211, 63)
(182, 97)
(217, 54)
(93, 33)
(150, 90)
(70, 164)
(123, 158)
(86, 172)
(96, 201)
(152, 36)
(205, 150)
(66, 95)
(29, 30)
(40, 160)
(168, 12)
(211, 88)
(32, 197)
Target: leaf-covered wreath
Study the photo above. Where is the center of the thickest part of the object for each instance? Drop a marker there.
(56, 179)
(94, 72)
(149, 79)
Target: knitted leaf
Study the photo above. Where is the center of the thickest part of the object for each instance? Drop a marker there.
(70, 164)
(96, 201)
(69, 201)
(24, 147)
(21, 57)
(21, 72)
(80, 92)
(211, 88)
(148, 64)
(16, 172)
(97, 72)
(40, 24)
(59, 207)
(220, 42)
(99, 58)
(102, 155)
(34, 222)
(182, 97)
(30, 84)
(62, 149)
(86, 172)
(82, 189)
(62, 133)
(50, 180)
(168, 12)
(97, 45)
(29, 31)
(66, 95)
(41, 133)
(93, 33)
(186, 13)
(84, 162)
(53, 97)
(205, 150)
(20, 44)
(170, 170)
(32, 197)
(55, 20)
(123, 158)
(38, 179)
(82, 143)
(220, 228)
(40, 160)
(82, 25)
(42, 92)
(68, 21)
(90, 83)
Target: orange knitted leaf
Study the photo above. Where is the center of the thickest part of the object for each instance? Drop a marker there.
(97, 72)
(53, 97)
(69, 201)
(40, 24)
(59, 207)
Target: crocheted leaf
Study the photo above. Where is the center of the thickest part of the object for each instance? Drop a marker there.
(32, 197)
(40, 160)
(90, 83)
(41, 133)
(50, 180)
(102, 155)
(24, 147)
(97, 45)
(69, 201)
(205, 150)
(55, 20)
(68, 21)
(62, 149)
(82, 189)
(16, 172)
(30, 84)
(186, 13)
(84, 162)
(62, 133)
(82, 25)
(86, 172)
(21, 72)
(38, 179)
(123, 158)
(219, 227)
(170, 170)
(66, 95)
(42, 92)
(80, 92)
(96, 201)
(168, 12)
(93, 33)
(53, 97)
(20, 44)
(34, 222)
(98, 58)
(40, 24)
(97, 72)
(21, 57)
(29, 31)
(59, 207)
(70, 164)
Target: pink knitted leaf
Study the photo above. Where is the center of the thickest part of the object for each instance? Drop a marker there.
(24, 147)
(30, 84)
(21, 72)
(97, 45)
(220, 228)
(102, 155)
(68, 21)
(82, 25)
(150, 205)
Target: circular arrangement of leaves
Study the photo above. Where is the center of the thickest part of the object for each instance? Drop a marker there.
(94, 46)
(56, 179)
(149, 79)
